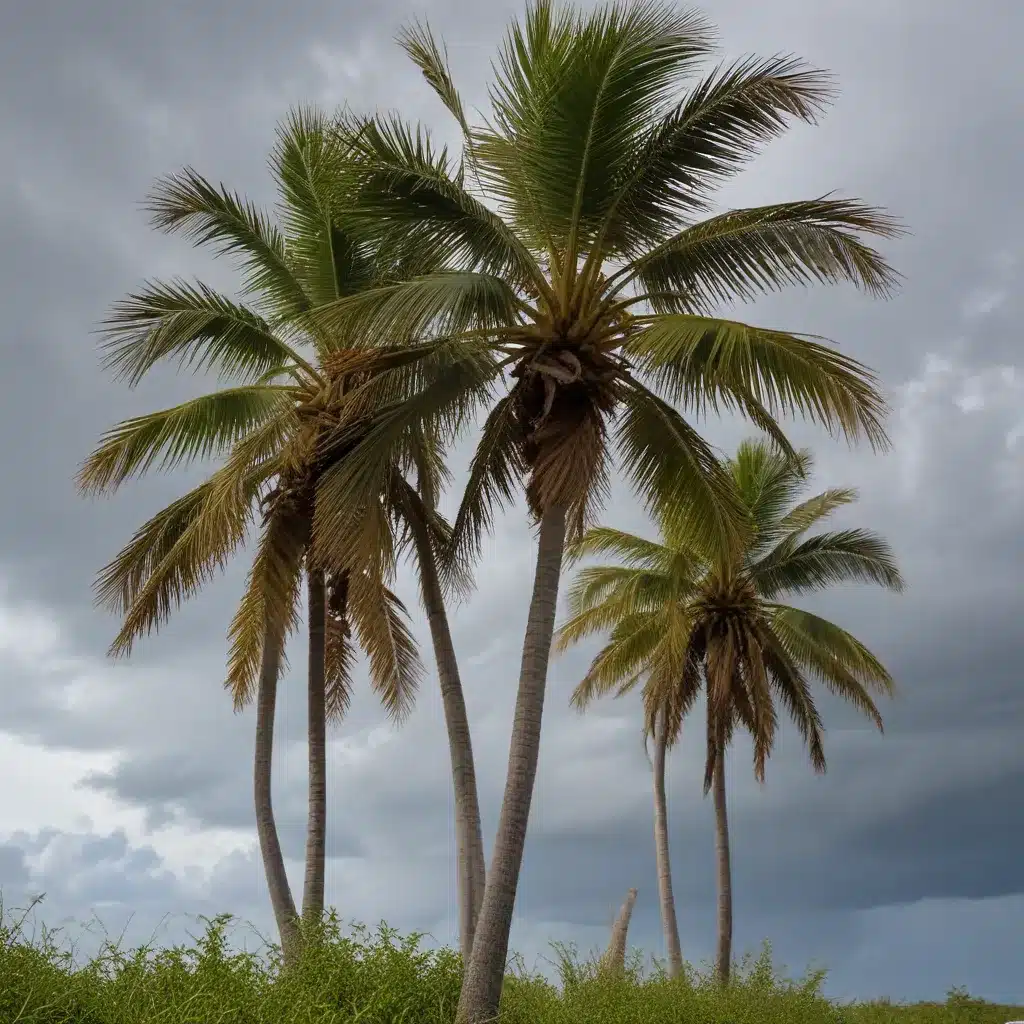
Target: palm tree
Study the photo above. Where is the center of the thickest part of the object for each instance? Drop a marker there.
(681, 617)
(297, 405)
(576, 306)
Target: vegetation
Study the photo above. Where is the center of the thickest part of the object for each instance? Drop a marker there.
(683, 618)
(384, 979)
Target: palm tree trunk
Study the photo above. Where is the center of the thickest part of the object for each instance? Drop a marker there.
(468, 832)
(723, 958)
(266, 828)
(666, 900)
(316, 828)
(481, 987)
(614, 961)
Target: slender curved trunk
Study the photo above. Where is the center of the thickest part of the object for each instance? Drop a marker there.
(266, 828)
(723, 957)
(468, 833)
(666, 900)
(316, 827)
(482, 984)
(614, 961)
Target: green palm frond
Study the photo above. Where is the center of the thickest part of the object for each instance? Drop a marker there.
(381, 622)
(627, 547)
(203, 428)
(808, 513)
(710, 135)
(445, 303)
(205, 214)
(620, 590)
(841, 556)
(199, 327)
(614, 77)
(675, 472)
(308, 161)
(418, 42)
(697, 361)
(838, 657)
(623, 661)
(768, 481)
(412, 202)
(744, 253)
(496, 474)
(791, 686)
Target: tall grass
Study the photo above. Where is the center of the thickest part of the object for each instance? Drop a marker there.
(381, 978)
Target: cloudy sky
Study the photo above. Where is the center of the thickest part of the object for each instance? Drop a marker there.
(127, 786)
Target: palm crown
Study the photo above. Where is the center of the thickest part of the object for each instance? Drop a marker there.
(587, 278)
(295, 406)
(681, 617)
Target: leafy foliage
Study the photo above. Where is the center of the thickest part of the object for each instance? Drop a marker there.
(681, 616)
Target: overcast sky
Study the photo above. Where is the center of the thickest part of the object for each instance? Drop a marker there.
(126, 788)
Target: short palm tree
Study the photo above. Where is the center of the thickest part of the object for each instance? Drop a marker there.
(681, 617)
(577, 306)
(294, 407)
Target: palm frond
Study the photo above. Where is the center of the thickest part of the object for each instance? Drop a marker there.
(419, 43)
(623, 660)
(767, 480)
(308, 162)
(697, 361)
(677, 474)
(628, 547)
(268, 611)
(188, 203)
(340, 652)
(792, 688)
(621, 590)
(175, 553)
(381, 623)
(446, 303)
(203, 428)
(411, 201)
(841, 556)
(808, 513)
(708, 137)
(496, 474)
(623, 63)
(201, 328)
(840, 660)
(745, 253)
(350, 486)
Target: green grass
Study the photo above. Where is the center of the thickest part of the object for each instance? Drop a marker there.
(381, 978)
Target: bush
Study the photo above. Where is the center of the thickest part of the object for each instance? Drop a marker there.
(380, 978)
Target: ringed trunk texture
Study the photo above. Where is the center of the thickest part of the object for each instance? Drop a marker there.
(485, 975)
(266, 828)
(316, 828)
(472, 871)
(614, 960)
(666, 899)
(723, 957)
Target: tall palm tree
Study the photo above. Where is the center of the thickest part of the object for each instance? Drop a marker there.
(296, 407)
(576, 306)
(682, 617)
